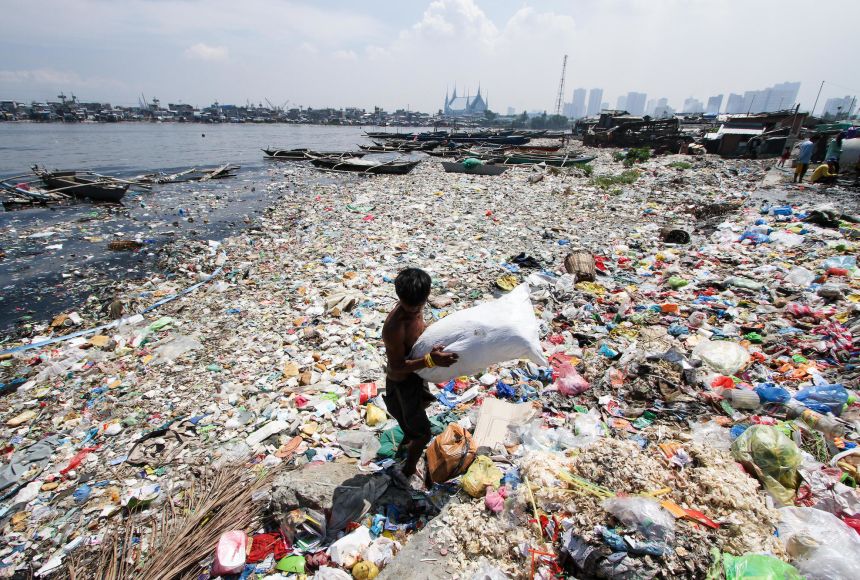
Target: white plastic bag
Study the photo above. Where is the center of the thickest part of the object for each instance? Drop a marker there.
(381, 551)
(345, 551)
(723, 356)
(490, 333)
(487, 571)
(329, 573)
(821, 546)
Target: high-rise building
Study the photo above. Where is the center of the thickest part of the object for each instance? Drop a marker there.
(636, 103)
(754, 101)
(781, 96)
(649, 108)
(776, 98)
(604, 106)
(511, 111)
(621, 103)
(714, 105)
(594, 102)
(735, 104)
(663, 110)
(692, 105)
(839, 106)
(578, 104)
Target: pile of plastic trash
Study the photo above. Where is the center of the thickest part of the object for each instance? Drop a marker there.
(694, 393)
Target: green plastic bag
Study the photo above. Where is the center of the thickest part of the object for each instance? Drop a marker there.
(772, 457)
(758, 567)
(471, 162)
(389, 441)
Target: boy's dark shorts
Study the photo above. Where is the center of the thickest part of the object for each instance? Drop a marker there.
(406, 401)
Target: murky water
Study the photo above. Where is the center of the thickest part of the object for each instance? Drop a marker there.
(57, 256)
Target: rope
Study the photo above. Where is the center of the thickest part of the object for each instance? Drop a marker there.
(113, 324)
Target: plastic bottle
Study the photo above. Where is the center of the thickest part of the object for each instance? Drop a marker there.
(741, 398)
(823, 423)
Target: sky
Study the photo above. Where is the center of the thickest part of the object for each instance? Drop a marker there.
(407, 53)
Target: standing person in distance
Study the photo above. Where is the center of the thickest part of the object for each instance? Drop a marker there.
(804, 156)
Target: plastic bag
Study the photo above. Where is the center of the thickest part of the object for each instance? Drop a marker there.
(786, 239)
(482, 474)
(352, 442)
(823, 398)
(711, 433)
(754, 236)
(800, 276)
(587, 429)
(819, 544)
(486, 571)
(535, 437)
(230, 553)
(345, 551)
(846, 262)
(490, 333)
(450, 453)
(381, 551)
(174, 349)
(389, 441)
(772, 458)
(645, 515)
(758, 567)
(723, 356)
(570, 382)
(770, 393)
(374, 415)
(472, 162)
(329, 573)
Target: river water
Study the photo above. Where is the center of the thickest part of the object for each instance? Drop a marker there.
(55, 257)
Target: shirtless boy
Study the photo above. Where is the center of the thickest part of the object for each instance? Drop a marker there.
(406, 394)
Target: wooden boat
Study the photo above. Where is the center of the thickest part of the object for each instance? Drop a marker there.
(192, 174)
(305, 154)
(357, 165)
(492, 140)
(83, 184)
(534, 148)
(19, 195)
(553, 161)
(482, 169)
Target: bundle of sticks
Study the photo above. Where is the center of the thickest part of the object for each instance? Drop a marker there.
(171, 545)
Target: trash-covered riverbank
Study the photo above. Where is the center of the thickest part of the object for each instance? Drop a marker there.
(700, 395)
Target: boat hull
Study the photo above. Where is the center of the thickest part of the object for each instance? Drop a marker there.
(71, 183)
(337, 164)
(483, 169)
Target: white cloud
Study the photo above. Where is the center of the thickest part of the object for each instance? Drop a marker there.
(345, 55)
(308, 48)
(206, 52)
(45, 76)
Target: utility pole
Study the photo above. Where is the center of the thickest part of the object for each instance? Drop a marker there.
(815, 104)
(559, 102)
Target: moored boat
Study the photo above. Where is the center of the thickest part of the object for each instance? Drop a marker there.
(83, 184)
(303, 154)
(553, 161)
(479, 169)
(356, 165)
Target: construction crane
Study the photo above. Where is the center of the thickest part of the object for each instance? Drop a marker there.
(559, 102)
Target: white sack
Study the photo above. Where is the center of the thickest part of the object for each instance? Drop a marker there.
(490, 333)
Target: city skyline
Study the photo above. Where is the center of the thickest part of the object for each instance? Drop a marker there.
(400, 55)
